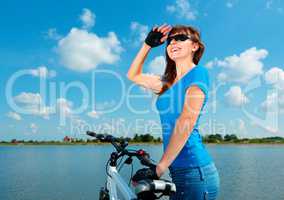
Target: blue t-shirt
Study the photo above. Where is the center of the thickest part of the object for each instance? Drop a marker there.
(170, 105)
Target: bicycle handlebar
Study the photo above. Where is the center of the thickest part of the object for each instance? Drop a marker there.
(143, 156)
(103, 137)
(146, 187)
(90, 133)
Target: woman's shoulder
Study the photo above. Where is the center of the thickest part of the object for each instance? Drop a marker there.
(198, 74)
(198, 71)
(199, 77)
(201, 69)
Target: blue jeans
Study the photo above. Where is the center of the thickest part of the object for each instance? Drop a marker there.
(200, 183)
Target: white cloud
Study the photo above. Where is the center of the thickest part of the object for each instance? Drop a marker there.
(14, 116)
(52, 34)
(93, 114)
(157, 65)
(43, 72)
(270, 101)
(105, 105)
(87, 18)
(183, 9)
(274, 6)
(64, 106)
(241, 68)
(238, 127)
(242, 125)
(138, 32)
(33, 127)
(268, 4)
(32, 103)
(28, 98)
(236, 97)
(82, 51)
(275, 76)
(229, 4)
(211, 63)
(274, 101)
(222, 76)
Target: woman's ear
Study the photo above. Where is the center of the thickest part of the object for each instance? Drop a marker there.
(195, 47)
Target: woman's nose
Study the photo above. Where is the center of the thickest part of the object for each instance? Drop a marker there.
(173, 41)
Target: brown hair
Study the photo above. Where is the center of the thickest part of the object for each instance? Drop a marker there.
(170, 71)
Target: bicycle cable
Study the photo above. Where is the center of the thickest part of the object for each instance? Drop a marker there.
(131, 174)
(106, 168)
(120, 165)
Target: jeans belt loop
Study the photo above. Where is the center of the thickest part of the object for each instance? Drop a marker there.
(201, 173)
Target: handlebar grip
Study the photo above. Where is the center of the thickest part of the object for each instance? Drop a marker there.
(145, 160)
(102, 137)
(90, 133)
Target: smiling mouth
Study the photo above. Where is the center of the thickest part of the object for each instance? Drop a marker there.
(175, 49)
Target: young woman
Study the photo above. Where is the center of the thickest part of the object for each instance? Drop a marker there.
(182, 93)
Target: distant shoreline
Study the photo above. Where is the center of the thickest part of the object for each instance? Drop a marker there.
(131, 143)
(147, 139)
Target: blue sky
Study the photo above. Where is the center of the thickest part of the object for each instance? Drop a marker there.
(73, 53)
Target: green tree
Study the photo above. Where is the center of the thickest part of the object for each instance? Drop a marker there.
(230, 138)
(213, 138)
(147, 138)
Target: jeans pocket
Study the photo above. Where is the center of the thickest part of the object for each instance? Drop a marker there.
(180, 192)
(205, 195)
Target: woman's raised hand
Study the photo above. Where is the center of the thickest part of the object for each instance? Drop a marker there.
(165, 29)
(158, 35)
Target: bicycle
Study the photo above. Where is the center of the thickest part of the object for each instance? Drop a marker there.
(146, 184)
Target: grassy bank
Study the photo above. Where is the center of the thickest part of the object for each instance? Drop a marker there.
(149, 139)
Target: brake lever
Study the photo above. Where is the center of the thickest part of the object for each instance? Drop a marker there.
(144, 158)
(128, 161)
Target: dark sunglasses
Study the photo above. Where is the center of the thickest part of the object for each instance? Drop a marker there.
(179, 37)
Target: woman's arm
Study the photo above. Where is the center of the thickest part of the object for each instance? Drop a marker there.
(135, 72)
(137, 64)
(194, 99)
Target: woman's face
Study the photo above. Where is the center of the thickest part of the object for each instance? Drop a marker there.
(181, 49)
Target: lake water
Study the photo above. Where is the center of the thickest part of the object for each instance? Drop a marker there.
(247, 172)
